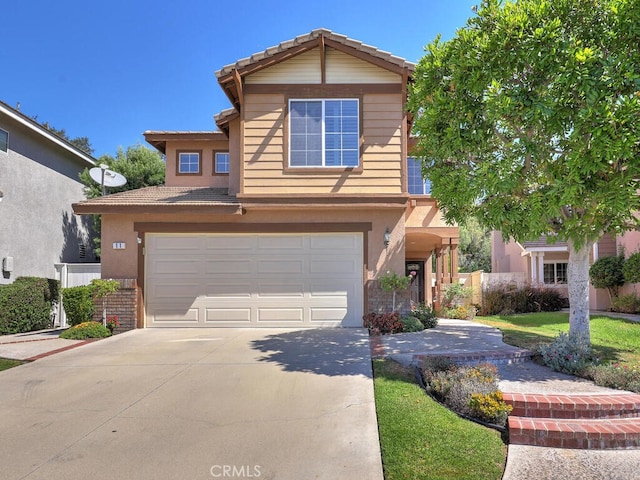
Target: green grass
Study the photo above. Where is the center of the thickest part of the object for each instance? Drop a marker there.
(421, 439)
(5, 363)
(612, 338)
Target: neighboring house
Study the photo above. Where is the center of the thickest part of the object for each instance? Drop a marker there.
(289, 214)
(38, 183)
(545, 263)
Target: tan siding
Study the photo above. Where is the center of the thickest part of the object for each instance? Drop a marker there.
(303, 68)
(343, 68)
(264, 146)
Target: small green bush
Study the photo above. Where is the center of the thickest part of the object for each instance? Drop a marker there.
(382, 323)
(425, 314)
(462, 312)
(631, 268)
(629, 303)
(606, 272)
(411, 324)
(570, 354)
(78, 304)
(614, 375)
(455, 294)
(86, 330)
(26, 304)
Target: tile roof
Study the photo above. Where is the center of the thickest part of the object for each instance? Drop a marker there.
(283, 46)
(161, 195)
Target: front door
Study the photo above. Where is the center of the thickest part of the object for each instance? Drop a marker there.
(416, 270)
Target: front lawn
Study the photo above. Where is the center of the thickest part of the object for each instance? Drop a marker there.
(612, 339)
(5, 363)
(421, 439)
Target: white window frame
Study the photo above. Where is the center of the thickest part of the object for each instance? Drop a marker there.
(555, 272)
(197, 155)
(3, 132)
(426, 184)
(323, 132)
(215, 163)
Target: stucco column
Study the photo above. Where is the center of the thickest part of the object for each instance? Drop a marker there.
(541, 267)
(454, 261)
(534, 267)
(446, 265)
(428, 279)
(439, 275)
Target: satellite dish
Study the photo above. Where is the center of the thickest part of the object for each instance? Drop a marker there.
(106, 177)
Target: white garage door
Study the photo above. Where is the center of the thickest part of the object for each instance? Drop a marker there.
(254, 280)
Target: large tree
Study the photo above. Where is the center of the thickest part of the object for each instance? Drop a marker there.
(475, 246)
(529, 120)
(141, 166)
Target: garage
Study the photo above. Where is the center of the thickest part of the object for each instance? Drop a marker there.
(254, 280)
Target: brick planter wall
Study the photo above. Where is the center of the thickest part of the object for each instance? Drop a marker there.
(123, 304)
(379, 301)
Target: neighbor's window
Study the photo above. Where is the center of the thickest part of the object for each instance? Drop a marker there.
(221, 162)
(417, 185)
(188, 162)
(4, 140)
(555, 273)
(324, 133)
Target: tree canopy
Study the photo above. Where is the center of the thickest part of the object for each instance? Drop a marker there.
(141, 166)
(475, 247)
(528, 121)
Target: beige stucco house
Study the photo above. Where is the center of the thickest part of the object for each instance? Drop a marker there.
(545, 263)
(288, 213)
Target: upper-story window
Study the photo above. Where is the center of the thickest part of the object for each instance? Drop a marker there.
(416, 183)
(189, 163)
(324, 133)
(4, 141)
(221, 162)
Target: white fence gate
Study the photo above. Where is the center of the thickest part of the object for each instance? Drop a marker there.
(73, 275)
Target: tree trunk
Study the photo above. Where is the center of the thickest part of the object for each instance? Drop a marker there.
(578, 280)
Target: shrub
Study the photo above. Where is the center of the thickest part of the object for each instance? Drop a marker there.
(631, 269)
(570, 354)
(510, 299)
(425, 314)
(86, 330)
(382, 323)
(461, 312)
(490, 407)
(78, 304)
(606, 272)
(455, 294)
(26, 304)
(456, 386)
(411, 324)
(614, 375)
(629, 303)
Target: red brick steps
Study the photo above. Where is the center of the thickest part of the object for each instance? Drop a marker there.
(575, 421)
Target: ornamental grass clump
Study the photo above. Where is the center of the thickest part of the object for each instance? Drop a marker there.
(570, 354)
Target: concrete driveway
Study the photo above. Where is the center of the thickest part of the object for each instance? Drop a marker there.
(195, 404)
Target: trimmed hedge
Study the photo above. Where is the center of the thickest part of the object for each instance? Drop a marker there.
(507, 300)
(78, 304)
(26, 304)
(86, 330)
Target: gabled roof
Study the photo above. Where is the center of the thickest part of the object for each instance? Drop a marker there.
(230, 76)
(159, 138)
(83, 158)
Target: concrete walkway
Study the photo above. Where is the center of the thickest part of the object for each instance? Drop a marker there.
(464, 338)
(34, 345)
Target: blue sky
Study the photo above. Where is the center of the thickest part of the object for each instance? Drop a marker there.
(110, 70)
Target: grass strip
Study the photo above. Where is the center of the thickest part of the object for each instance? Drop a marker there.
(421, 439)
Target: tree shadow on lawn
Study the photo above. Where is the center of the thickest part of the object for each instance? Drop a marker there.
(324, 351)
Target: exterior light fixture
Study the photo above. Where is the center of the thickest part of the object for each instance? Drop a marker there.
(387, 238)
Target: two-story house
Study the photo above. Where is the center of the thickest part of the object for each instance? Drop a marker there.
(290, 212)
(39, 180)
